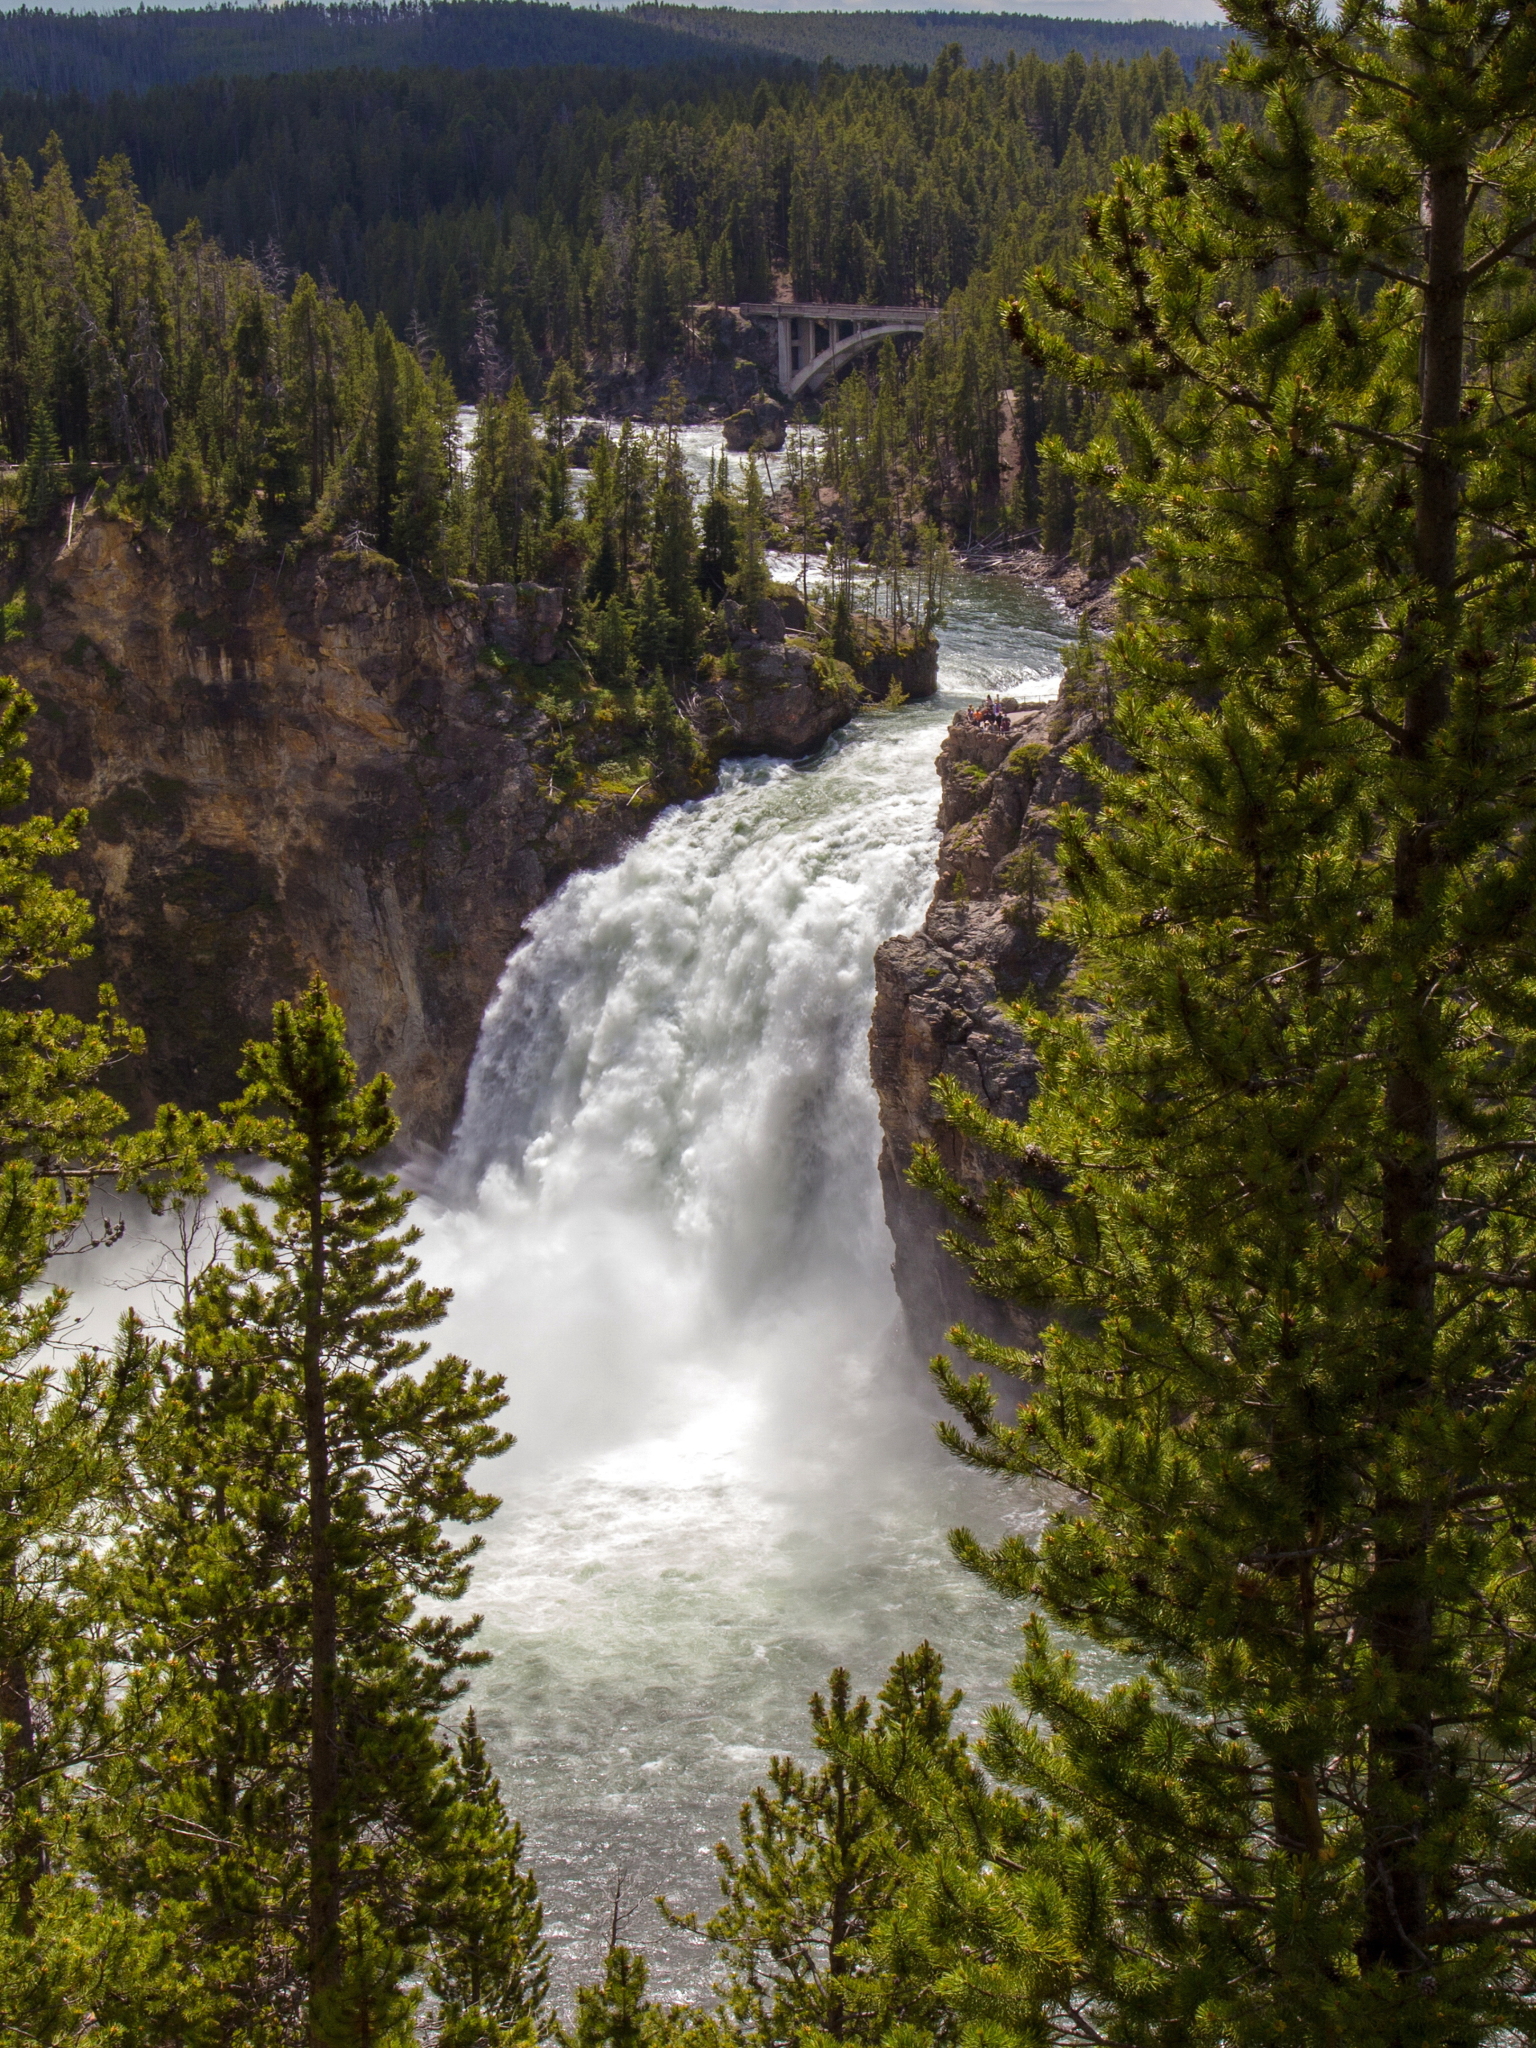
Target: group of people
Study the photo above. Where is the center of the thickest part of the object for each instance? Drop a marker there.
(988, 715)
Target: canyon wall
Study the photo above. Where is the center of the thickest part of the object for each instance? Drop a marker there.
(324, 762)
(941, 993)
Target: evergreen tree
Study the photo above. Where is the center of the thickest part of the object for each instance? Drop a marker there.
(1273, 1203)
(66, 1431)
(674, 552)
(616, 2013)
(613, 647)
(655, 631)
(489, 1968)
(719, 556)
(418, 515)
(752, 578)
(212, 1730)
(504, 488)
(807, 1935)
(38, 485)
(561, 402)
(324, 1293)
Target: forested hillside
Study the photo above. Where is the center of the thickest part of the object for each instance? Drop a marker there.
(853, 37)
(127, 51)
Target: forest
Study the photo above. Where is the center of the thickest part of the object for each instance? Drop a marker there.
(96, 54)
(504, 223)
(1272, 1206)
(916, 38)
(125, 51)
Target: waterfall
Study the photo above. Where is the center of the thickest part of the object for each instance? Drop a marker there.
(661, 1219)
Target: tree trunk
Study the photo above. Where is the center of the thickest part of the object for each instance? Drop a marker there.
(1401, 1760)
(29, 1861)
(324, 1760)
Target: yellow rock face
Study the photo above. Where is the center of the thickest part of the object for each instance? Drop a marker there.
(287, 765)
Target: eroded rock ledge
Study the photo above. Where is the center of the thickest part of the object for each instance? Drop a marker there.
(324, 762)
(939, 992)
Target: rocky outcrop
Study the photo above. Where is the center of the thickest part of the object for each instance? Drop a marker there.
(325, 762)
(912, 667)
(759, 425)
(784, 698)
(939, 992)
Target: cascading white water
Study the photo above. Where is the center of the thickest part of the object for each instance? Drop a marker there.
(661, 1218)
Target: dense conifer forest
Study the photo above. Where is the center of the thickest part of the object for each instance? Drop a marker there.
(858, 38)
(128, 50)
(125, 51)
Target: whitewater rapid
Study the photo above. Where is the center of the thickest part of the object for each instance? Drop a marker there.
(661, 1219)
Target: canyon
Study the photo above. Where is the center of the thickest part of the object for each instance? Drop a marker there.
(659, 1213)
(322, 762)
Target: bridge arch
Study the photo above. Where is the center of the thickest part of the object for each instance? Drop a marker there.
(815, 340)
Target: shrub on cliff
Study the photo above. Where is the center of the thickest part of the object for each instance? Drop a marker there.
(1288, 1383)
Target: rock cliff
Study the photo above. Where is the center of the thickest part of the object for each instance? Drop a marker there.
(940, 993)
(324, 762)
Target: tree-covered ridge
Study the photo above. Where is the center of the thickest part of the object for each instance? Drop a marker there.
(43, 52)
(96, 54)
(855, 37)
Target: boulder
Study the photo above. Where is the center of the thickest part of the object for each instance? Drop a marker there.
(586, 438)
(758, 425)
(792, 607)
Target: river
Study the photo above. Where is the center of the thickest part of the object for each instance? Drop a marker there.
(661, 1219)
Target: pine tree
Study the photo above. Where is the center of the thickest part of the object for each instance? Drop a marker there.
(419, 512)
(65, 1431)
(489, 1967)
(38, 484)
(719, 556)
(655, 628)
(751, 581)
(327, 1295)
(616, 2013)
(613, 647)
(674, 553)
(504, 489)
(561, 402)
(213, 1732)
(1273, 1203)
(807, 1935)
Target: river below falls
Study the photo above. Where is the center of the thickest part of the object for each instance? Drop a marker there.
(661, 1219)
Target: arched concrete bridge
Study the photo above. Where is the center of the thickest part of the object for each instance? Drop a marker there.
(816, 340)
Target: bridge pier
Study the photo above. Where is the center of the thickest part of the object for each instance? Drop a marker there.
(813, 339)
